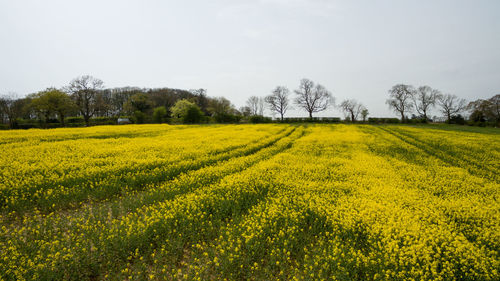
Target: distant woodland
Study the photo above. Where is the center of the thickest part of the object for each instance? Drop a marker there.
(85, 102)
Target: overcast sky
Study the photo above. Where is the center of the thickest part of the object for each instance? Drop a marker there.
(240, 48)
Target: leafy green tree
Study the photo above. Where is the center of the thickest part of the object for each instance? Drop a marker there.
(221, 106)
(364, 114)
(186, 111)
(194, 115)
(52, 101)
(159, 114)
(40, 106)
(179, 109)
(138, 102)
(139, 117)
(223, 111)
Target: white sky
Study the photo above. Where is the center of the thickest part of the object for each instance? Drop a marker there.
(239, 48)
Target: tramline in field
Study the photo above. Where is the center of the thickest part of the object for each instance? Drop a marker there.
(257, 202)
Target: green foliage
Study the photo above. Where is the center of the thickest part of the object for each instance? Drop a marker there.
(374, 120)
(457, 119)
(227, 118)
(103, 121)
(51, 102)
(180, 108)
(311, 120)
(260, 119)
(139, 117)
(364, 114)
(250, 202)
(159, 114)
(75, 119)
(193, 115)
(138, 102)
(221, 107)
(186, 112)
(485, 111)
(417, 120)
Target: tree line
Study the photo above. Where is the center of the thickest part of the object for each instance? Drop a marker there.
(310, 97)
(403, 99)
(419, 101)
(85, 100)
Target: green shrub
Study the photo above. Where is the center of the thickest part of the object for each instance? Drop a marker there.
(312, 120)
(139, 117)
(260, 119)
(75, 119)
(227, 118)
(193, 115)
(159, 114)
(187, 112)
(457, 119)
(103, 120)
(374, 120)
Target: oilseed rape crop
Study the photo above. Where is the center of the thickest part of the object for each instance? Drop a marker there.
(250, 202)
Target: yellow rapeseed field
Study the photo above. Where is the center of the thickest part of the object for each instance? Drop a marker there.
(250, 202)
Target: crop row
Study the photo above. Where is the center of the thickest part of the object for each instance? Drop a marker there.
(66, 174)
(319, 202)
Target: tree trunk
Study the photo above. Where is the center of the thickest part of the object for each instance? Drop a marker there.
(12, 123)
(281, 117)
(46, 125)
(62, 118)
(352, 117)
(310, 114)
(402, 117)
(87, 120)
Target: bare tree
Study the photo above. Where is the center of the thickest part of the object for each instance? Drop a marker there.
(481, 110)
(198, 92)
(4, 107)
(201, 98)
(313, 98)
(400, 99)
(451, 105)
(221, 106)
(278, 101)
(84, 90)
(352, 108)
(495, 106)
(424, 98)
(11, 108)
(245, 111)
(253, 104)
(103, 104)
(261, 105)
